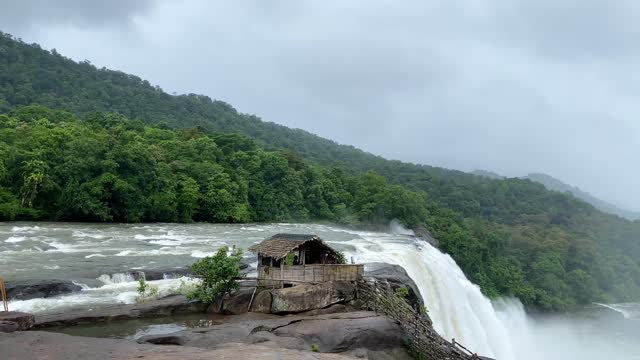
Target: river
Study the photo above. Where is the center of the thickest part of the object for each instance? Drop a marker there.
(98, 257)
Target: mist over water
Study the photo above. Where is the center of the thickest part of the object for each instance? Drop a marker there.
(99, 258)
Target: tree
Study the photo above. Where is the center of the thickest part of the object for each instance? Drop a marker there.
(219, 275)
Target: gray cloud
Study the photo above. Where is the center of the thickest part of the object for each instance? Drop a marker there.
(24, 15)
(513, 87)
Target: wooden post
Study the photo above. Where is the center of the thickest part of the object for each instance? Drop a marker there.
(281, 273)
(252, 295)
(323, 275)
(3, 290)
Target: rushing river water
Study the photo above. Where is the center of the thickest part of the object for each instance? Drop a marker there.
(99, 257)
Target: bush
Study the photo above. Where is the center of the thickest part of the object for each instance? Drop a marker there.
(219, 275)
(145, 291)
(185, 288)
(402, 292)
(315, 348)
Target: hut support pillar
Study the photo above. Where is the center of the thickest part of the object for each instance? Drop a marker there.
(282, 273)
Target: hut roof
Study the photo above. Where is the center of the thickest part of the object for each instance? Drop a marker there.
(279, 245)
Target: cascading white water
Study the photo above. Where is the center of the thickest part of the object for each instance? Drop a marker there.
(500, 329)
(456, 306)
(117, 278)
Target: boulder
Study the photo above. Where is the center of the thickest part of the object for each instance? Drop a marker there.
(396, 276)
(234, 304)
(310, 297)
(8, 326)
(333, 309)
(23, 321)
(262, 302)
(162, 340)
(33, 289)
(424, 234)
(337, 333)
(361, 331)
(288, 300)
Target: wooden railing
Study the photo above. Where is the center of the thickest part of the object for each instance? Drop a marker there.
(313, 273)
(423, 340)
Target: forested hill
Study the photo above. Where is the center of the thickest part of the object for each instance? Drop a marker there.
(31, 75)
(510, 236)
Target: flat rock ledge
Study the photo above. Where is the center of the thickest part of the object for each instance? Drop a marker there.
(171, 305)
(363, 334)
(16, 321)
(53, 346)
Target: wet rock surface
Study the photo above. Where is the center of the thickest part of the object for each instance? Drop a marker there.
(396, 276)
(27, 290)
(16, 321)
(424, 234)
(39, 345)
(162, 340)
(171, 305)
(8, 326)
(342, 332)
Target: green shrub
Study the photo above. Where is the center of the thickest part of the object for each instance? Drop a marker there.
(185, 288)
(402, 292)
(145, 291)
(219, 275)
(315, 348)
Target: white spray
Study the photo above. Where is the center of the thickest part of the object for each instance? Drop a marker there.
(456, 306)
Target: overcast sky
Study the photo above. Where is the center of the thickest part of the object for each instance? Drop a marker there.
(513, 87)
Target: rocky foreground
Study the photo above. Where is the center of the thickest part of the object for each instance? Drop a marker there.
(323, 321)
(40, 345)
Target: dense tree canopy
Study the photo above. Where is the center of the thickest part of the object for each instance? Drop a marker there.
(108, 168)
(111, 156)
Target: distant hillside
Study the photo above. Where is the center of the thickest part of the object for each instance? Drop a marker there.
(487, 174)
(510, 236)
(552, 183)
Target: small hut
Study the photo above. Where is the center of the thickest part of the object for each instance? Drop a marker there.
(293, 259)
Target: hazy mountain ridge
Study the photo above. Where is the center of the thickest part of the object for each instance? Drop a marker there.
(487, 174)
(552, 183)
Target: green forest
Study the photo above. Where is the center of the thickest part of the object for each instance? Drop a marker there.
(79, 143)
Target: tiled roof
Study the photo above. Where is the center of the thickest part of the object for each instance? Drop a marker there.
(279, 245)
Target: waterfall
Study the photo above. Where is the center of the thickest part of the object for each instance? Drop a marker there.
(456, 306)
(117, 278)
